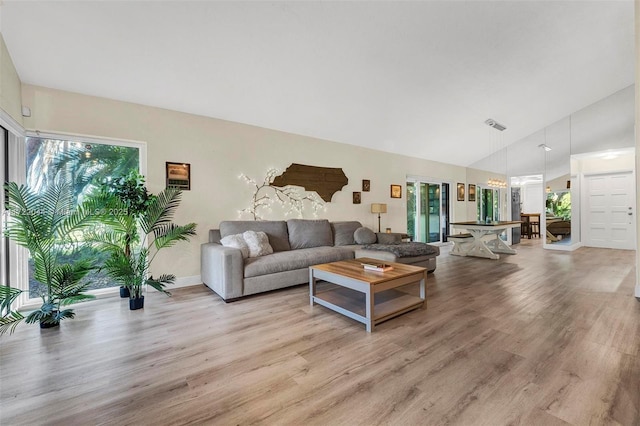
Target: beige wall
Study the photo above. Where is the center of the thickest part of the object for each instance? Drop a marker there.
(219, 151)
(590, 165)
(9, 85)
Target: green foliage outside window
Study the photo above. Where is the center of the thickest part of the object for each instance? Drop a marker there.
(559, 204)
(83, 167)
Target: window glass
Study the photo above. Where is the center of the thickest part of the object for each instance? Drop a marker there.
(84, 166)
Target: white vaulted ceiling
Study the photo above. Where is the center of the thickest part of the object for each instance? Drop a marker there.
(415, 77)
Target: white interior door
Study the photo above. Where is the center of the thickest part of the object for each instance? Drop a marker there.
(609, 219)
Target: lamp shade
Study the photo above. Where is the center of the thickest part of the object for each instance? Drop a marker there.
(378, 208)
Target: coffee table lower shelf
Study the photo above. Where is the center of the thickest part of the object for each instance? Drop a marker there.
(369, 297)
(351, 303)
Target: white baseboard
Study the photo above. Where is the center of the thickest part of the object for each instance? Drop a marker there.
(186, 282)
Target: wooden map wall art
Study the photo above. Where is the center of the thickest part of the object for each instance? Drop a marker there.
(326, 181)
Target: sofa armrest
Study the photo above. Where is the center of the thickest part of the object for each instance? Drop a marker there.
(222, 269)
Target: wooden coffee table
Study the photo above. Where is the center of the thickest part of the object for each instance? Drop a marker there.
(370, 297)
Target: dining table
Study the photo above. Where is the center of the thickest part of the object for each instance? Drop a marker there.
(483, 239)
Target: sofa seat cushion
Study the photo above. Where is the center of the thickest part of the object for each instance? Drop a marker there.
(400, 250)
(294, 259)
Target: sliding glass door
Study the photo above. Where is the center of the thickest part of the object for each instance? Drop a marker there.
(490, 204)
(427, 211)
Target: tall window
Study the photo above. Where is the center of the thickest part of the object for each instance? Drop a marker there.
(82, 164)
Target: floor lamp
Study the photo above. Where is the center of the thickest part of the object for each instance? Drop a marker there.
(378, 208)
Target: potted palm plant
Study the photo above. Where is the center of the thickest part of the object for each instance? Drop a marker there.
(137, 226)
(9, 318)
(47, 224)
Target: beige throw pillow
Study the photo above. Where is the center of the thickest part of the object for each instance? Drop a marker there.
(258, 243)
(236, 241)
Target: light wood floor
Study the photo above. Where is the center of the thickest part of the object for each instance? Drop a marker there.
(540, 338)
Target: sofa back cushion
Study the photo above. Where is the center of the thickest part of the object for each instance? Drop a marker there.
(391, 238)
(305, 233)
(214, 236)
(276, 231)
(343, 232)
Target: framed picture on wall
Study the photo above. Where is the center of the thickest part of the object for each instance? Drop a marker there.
(357, 198)
(366, 185)
(472, 192)
(460, 191)
(396, 191)
(179, 175)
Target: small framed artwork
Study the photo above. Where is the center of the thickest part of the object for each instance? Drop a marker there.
(179, 176)
(396, 191)
(472, 192)
(460, 191)
(366, 185)
(357, 198)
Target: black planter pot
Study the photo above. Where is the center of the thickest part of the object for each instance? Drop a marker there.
(137, 303)
(49, 324)
(124, 292)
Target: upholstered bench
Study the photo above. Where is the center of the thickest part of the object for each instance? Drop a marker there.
(413, 253)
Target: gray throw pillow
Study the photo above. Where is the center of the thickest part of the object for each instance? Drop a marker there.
(364, 236)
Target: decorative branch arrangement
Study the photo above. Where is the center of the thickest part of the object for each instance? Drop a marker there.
(266, 195)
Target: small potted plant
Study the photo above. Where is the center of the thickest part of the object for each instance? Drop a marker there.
(48, 226)
(137, 226)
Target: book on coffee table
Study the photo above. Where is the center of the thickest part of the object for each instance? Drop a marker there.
(379, 267)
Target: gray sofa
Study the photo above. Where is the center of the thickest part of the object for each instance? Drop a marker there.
(297, 244)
